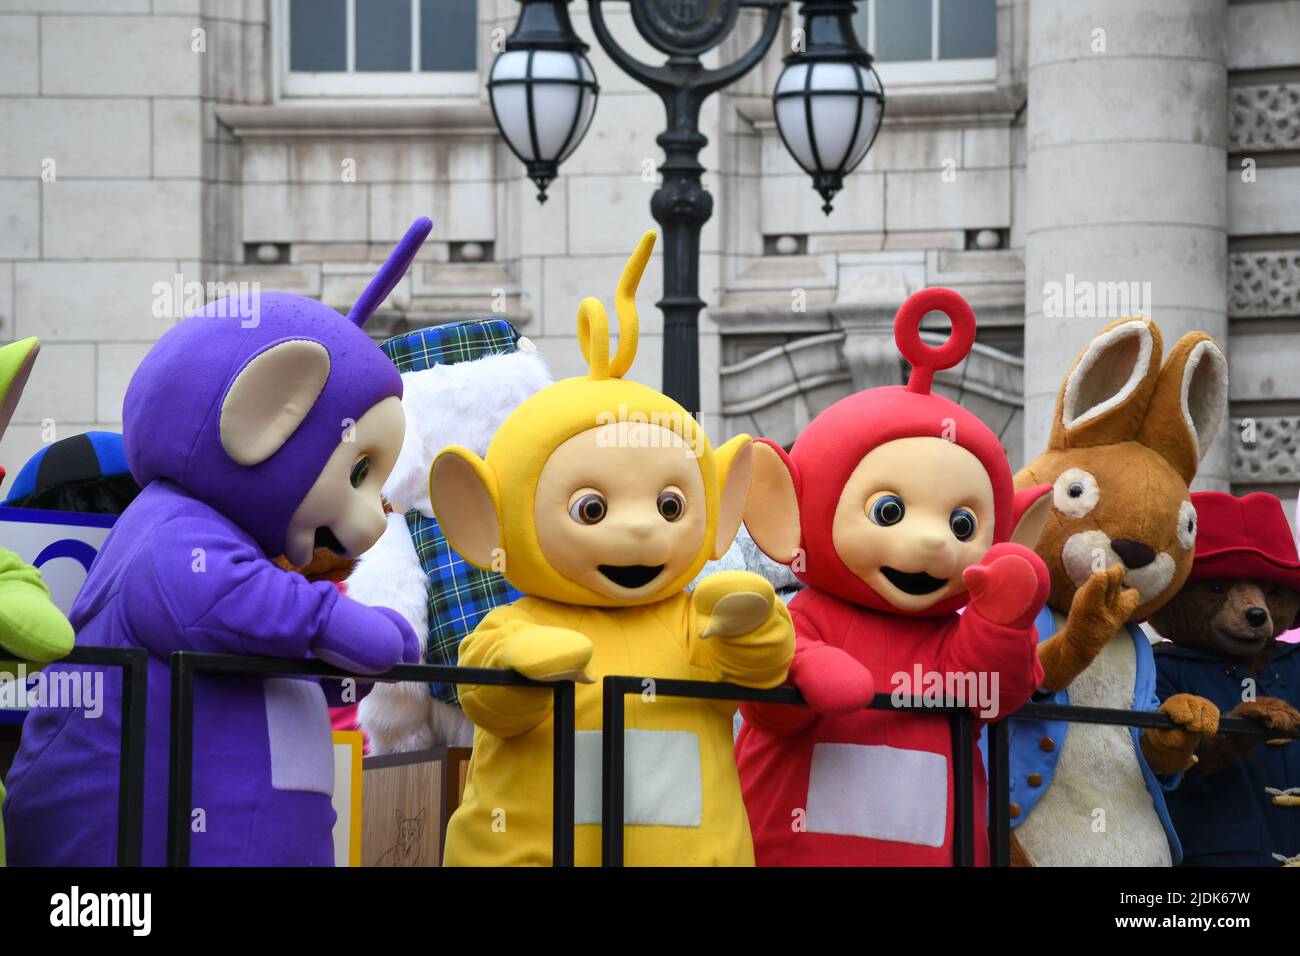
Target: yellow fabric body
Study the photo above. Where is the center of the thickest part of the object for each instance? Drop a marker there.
(505, 817)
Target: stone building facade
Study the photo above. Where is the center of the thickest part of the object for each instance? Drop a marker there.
(152, 151)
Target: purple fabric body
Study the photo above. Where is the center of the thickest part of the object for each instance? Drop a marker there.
(146, 589)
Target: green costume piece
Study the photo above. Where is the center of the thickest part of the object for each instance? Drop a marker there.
(31, 627)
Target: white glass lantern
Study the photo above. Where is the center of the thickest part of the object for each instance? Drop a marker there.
(543, 91)
(829, 102)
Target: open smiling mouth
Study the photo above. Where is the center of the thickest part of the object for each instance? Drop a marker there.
(325, 539)
(918, 583)
(630, 576)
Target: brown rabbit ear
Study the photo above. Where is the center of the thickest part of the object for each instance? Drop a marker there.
(1189, 403)
(1105, 396)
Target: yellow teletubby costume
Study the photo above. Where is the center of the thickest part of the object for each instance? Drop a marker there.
(601, 499)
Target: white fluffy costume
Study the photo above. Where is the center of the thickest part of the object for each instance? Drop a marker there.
(460, 381)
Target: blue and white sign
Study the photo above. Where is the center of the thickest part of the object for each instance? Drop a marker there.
(61, 544)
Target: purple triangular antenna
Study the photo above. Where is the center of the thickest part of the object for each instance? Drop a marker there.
(391, 272)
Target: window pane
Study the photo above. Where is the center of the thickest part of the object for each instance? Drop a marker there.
(318, 36)
(448, 35)
(903, 30)
(968, 28)
(384, 36)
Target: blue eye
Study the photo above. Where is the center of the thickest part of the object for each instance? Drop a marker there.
(962, 523)
(888, 510)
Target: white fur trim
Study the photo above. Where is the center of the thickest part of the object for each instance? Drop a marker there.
(1097, 773)
(461, 404)
(1080, 506)
(389, 575)
(395, 716)
(1091, 366)
(1203, 409)
(1188, 525)
(402, 718)
(1079, 557)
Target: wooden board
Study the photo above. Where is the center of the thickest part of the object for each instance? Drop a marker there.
(408, 799)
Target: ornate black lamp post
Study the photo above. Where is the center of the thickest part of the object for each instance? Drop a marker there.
(543, 71)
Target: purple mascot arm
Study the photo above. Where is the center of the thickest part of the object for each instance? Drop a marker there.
(204, 586)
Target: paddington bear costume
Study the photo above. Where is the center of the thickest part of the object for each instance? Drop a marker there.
(1230, 818)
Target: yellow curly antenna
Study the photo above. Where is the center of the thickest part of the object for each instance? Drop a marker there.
(593, 323)
(625, 304)
(593, 336)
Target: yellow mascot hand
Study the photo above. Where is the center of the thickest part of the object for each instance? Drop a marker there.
(733, 603)
(549, 654)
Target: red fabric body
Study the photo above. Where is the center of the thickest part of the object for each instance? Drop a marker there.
(775, 747)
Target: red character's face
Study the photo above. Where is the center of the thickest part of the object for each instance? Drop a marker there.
(914, 514)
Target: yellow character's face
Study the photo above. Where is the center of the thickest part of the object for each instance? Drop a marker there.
(914, 514)
(621, 509)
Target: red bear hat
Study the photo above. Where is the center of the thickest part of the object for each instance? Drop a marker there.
(827, 451)
(1247, 538)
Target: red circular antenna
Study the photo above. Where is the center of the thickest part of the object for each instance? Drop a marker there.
(928, 359)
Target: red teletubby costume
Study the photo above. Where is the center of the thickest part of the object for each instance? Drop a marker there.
(832, 783)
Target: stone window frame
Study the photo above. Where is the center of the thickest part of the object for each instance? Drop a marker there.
(290, 85)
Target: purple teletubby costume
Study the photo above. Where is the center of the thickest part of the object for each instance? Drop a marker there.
(186, 568)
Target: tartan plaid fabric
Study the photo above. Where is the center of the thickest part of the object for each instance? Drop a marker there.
(451, 343)
(460, 595)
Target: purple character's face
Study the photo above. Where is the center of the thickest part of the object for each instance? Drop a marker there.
(344, 510)
(288, 426)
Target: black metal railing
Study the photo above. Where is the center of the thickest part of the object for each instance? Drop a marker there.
(962, 723)
(1000, 783)
(186, 665)
(615, 689)
(134, 662)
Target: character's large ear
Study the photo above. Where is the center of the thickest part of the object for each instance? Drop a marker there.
(16, 361)
(1106, 394)
(734, 461)
(270, 397)
(1189, 403)
(1029, 514)
(772, 515)
(467, 504)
